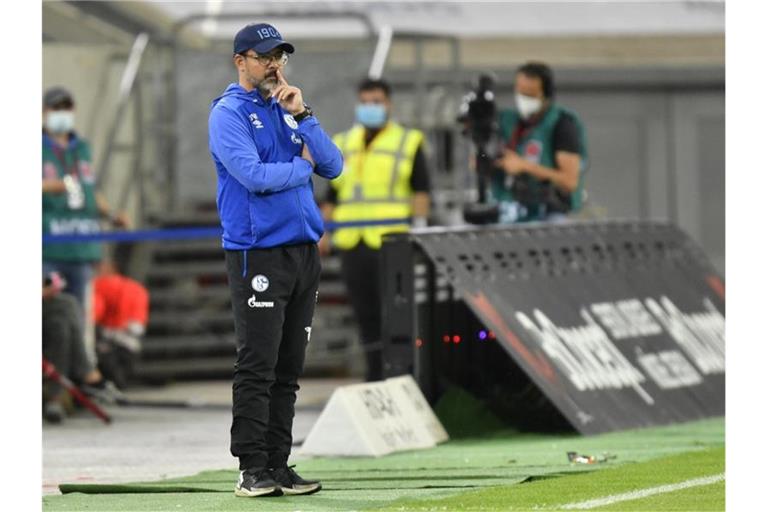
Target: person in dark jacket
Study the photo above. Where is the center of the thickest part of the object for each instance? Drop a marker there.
(64, 348)
(266, 144)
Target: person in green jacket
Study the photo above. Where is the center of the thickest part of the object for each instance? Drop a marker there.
(540, 173)
(71, 205)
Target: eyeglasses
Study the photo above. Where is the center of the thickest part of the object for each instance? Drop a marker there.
(281, 58)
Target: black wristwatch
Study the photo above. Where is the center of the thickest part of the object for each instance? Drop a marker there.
(306, 113)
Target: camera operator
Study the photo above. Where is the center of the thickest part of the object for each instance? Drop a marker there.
(540, 173)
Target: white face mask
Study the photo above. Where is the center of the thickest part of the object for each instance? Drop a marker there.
(60, 121)
(527, 105)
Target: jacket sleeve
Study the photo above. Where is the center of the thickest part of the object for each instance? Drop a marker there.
(327, 157)
(231, 142)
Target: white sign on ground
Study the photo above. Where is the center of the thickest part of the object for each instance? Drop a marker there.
(407, 386)
(374, 419)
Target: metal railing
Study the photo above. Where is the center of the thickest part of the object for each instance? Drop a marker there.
(127, 81)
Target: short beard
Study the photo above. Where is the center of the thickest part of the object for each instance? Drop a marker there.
(266, 86)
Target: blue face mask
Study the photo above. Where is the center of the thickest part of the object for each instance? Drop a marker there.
(371, 115)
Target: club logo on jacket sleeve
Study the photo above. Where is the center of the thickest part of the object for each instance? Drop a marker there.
(290, 121)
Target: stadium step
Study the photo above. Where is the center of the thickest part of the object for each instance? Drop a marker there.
(164, 346)
(166, 369)
(191, 331)
(176, 297)
(186, 269)
(197, 319)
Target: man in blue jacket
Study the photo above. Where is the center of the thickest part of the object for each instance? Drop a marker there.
(266, 144)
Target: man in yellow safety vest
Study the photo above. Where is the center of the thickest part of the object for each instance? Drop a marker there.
(385, 176)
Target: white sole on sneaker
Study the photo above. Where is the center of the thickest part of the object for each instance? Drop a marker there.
(266, 491)
(302, 489)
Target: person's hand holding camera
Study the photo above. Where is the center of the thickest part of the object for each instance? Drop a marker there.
(512, 163)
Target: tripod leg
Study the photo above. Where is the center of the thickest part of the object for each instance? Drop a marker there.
(50, 371)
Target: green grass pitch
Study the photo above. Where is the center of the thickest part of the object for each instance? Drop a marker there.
(506, 471)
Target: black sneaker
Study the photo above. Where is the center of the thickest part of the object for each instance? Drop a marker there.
(256, 483)
(53, 412)
(291, 483)
(103, 391)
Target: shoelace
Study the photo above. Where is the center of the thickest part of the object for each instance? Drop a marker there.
(290, 471)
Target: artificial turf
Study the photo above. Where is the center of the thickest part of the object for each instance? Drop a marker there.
(481, 472)
(555, 493)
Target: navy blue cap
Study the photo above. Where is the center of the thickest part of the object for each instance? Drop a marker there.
(261, 37)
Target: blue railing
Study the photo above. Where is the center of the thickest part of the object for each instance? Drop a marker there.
(188, 233)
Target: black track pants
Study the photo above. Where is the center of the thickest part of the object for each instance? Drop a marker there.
(273, 299)
(362, 277)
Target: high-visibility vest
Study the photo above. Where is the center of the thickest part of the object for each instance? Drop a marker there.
(375, 183)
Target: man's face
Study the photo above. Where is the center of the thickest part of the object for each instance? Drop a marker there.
(529, 86)
(372, 110)
(260, 70)
(374, 97)
(529, 95)
(59, 118)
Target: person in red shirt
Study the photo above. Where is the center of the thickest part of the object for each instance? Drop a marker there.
(120, 312)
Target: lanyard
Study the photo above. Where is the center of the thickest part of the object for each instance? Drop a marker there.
(60, 154)
(522, 130)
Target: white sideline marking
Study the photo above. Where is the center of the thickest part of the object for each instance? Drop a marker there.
(642, 493)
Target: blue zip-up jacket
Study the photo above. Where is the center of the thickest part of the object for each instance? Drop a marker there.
(265, 196)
